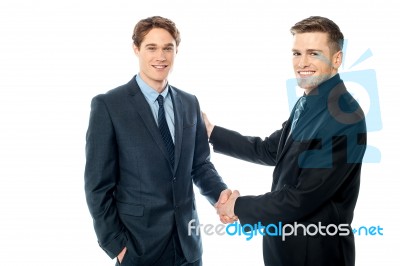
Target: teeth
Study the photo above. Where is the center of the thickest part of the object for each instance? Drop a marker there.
(306, 72)
(159, 67)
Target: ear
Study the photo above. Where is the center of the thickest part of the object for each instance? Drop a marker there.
(337, 59)
(135, 49)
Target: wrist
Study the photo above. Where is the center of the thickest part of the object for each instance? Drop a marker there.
(210, 129)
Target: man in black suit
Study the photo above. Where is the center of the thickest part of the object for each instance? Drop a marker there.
(317, 156)
(146, 145)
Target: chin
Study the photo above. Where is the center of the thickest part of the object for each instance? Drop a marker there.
(306, 83)
(311, 82)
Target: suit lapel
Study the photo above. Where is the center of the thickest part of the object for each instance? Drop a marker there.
(178, 111)
(143, 108)
(285, 140)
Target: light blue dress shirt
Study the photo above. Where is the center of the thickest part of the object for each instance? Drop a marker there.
(151, 97)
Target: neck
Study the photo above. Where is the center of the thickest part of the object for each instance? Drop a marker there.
(156, 85)
(159, 88)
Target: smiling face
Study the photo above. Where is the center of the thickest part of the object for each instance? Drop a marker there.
(313, 60)
(156, 56)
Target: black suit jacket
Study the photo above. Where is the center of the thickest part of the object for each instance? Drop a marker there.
(133, 193)
(316, 177)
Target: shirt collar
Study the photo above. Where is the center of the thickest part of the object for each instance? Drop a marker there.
(149, 93)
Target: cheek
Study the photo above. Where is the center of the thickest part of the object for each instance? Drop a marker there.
(172, 57)
(324, 67)
(295, 62)
(323, 63)
(146, 59)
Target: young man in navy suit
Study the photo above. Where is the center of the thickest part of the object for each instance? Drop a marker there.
(146, 145)
(317, 155)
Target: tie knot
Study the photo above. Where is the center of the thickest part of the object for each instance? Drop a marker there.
(160, 100)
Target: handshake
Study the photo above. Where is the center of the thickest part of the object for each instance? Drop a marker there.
(226, 206)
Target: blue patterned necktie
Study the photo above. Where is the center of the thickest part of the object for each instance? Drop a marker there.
(299, 109)
(164, 130)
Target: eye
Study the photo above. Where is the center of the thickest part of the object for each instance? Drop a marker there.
(296, 54)
(169, 48)
(151, 48)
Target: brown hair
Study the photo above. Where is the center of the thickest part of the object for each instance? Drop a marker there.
(321, 24)
(145, 25)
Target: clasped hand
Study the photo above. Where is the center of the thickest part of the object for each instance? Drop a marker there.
(226, 206)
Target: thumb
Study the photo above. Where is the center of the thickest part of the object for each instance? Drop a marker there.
(223, 197)
(235, 194)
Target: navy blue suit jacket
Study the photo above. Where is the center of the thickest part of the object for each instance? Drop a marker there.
(316, 177)
(133, 193)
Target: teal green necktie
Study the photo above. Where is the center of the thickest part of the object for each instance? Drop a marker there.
(299, 109)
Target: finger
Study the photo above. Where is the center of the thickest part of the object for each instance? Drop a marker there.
(228, 219)
(222, 219)
(220, 212)
(224, 196)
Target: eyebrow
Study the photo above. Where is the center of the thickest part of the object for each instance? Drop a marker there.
(153, 44)
(308, 50)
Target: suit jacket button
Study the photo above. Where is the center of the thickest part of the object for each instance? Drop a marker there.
(174, 179)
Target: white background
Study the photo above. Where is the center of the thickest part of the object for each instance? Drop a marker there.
(235, 56)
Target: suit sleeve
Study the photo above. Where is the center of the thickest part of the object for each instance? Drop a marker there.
(332, 171)
(251, 149)
(101, 174)
(204, 174)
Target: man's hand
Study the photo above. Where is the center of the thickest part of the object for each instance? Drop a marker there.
(209, 126)
(226, 206)
(121, 255)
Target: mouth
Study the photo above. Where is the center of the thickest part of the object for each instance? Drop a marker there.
(306, 73)
(160, 66)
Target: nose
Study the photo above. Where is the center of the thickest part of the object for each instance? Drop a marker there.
(303, 61)
(161, 55)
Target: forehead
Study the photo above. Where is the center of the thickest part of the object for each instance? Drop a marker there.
(310, 40)
(158, 36)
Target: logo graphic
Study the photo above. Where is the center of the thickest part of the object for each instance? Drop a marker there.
(368, 231)
(281, 230)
